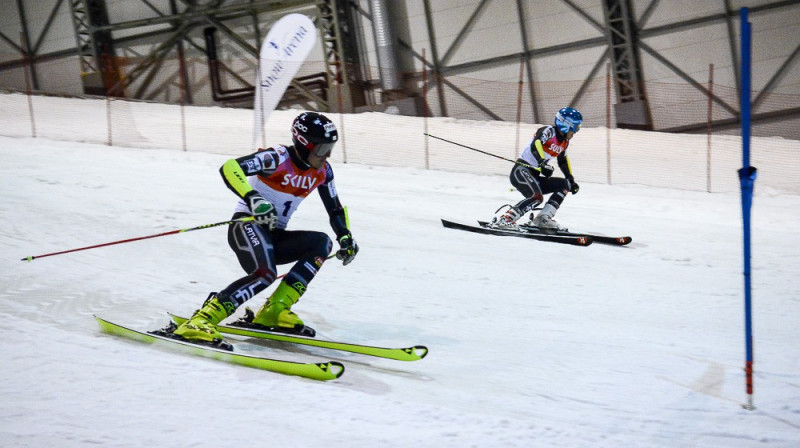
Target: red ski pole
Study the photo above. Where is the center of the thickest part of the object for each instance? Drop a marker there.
(171, 232)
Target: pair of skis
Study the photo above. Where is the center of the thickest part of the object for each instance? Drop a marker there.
(322, 371)
(536, 233)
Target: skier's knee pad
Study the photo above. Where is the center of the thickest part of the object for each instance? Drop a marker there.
(321, 244)
(266, 273)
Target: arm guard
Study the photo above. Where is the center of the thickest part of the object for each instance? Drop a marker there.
(563, 163)
(537, 147)
(338, 220)
(538, 154)
(234, 178)
(235, 171)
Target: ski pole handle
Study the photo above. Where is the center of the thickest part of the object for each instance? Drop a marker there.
(171, 232)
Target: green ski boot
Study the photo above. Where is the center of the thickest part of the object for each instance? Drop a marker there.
(202, 326)
(276, 313)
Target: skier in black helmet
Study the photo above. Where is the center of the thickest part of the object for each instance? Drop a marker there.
(270, 184)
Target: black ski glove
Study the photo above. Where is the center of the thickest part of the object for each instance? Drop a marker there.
(347, 249)
(573, 186)
(545, 169)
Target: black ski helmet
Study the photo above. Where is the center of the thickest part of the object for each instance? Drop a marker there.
(313, 133)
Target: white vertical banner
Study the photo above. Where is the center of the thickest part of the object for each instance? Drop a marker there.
(283, 52)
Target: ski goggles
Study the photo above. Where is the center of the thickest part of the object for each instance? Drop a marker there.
(318, 149)
(321, 149)
(567, 124)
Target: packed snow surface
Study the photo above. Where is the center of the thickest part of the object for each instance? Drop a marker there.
(531, 343)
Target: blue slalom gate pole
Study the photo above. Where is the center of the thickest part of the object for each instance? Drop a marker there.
(747, 177)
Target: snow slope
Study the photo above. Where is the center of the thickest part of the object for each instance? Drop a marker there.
(531, 343)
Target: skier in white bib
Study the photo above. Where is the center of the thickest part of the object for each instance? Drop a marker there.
(532, 174)
(270, 184)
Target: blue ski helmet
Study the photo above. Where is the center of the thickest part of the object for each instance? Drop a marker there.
(568, 119)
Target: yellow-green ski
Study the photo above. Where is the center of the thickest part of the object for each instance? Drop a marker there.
(322, 371)
(413, 353)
